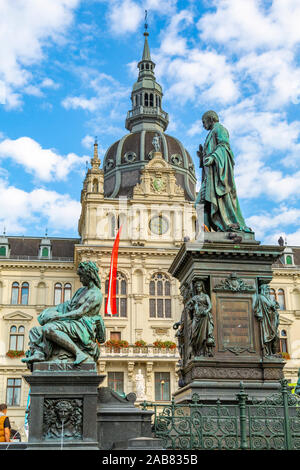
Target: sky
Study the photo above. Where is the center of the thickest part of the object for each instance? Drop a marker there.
(67, 68)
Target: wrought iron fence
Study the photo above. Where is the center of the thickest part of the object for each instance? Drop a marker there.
(271, 424)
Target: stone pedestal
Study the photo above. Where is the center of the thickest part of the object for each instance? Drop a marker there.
(119, 420)
(63, 408)
(232, 270)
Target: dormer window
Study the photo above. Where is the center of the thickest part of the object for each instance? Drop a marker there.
(45, 252)
(2, 250)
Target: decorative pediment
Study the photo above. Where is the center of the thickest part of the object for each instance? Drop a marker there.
(158, 178)
(157, 162)
(20, 316)
(285, 321)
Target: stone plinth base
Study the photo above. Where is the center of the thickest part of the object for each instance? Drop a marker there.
(213, 379)
(119, 420)
(231, 268)
(63, 408)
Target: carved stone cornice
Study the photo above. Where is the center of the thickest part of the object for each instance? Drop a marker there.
(36, 266)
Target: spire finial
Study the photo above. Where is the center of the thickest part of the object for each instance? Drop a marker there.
(146, 23)
(96, 148)
(95, 160)
(46, 233)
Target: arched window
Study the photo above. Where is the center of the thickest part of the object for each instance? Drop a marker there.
(147, 66)
(160, 296)
(289, 259)
(95, 186)
(146, 99)
(281, 299)
(57, 293)
(272, 294)
(2, 250)
(283, 341)
(24, 293)
(67, 292)
(16, 338)
(15, 293)
(121, 295)
(151, 99)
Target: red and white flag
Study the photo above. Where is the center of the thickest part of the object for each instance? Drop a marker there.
(111, 305)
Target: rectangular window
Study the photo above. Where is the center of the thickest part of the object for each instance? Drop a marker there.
(160, 308)
(168, 308)
(116, 381)
(162, 386)
(123, 307)
(283, 345)
(152, 308)
(115, 335)
(13, 392)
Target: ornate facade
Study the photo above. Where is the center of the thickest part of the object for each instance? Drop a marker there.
(285, 287)
(147, 186)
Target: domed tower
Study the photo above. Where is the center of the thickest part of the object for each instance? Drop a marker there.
(126, 158)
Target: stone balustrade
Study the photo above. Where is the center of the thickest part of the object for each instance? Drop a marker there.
(133, 351)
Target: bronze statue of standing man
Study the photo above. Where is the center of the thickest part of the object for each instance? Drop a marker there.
(222, 211)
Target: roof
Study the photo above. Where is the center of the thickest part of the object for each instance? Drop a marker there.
(126, 158)
(29, 246)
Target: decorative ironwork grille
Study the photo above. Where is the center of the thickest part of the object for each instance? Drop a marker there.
(270, 424)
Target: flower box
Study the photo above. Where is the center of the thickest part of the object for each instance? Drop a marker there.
(12, 353)
(164, 344)
(116, 345)
(140, 343)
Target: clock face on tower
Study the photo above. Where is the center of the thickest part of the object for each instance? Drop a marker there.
(159, 225)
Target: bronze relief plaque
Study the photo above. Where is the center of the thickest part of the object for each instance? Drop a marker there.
(234, 320)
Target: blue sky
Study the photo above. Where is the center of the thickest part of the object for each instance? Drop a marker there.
(66, 72)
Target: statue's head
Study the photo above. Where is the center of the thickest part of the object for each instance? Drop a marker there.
(209, 118)
(199, 286)
(265, 289)
(88, 271)
(64, 410)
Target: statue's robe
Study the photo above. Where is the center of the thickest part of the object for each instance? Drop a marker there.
(266, 310)
(201, 336)
(86, 331)
(218, 191)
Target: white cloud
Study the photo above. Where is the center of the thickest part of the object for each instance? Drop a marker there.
(45, 164)
(201, 75)
(125, 16)
(249, 24)
(107, 92)
(27, 27)
(269, 226)
(88, 141)
(21, 209)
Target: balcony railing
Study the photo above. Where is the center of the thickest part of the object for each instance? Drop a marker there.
(36, 258)
(133, 351)
(147, 110)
